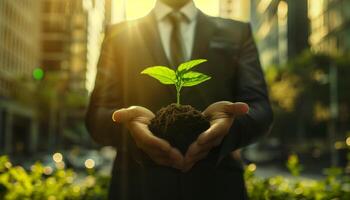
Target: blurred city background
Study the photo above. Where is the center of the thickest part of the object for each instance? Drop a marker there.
(48, 55)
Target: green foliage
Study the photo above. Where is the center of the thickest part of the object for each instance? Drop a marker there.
(184, 67)
(193, 78)
(162, 74)
(335, 186)
(17, 183)
(181, 77)
(293, 165)
(39, 183)
(300, 95)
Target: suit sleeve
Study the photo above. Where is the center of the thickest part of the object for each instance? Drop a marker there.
(251, 89)
(106, 96)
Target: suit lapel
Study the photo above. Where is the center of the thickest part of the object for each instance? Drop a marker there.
(153, 44)
(205, 29)
(153, 41)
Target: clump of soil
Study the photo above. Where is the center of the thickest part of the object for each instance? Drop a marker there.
(179, 125)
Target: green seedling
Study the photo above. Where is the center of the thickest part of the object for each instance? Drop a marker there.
(181, 77)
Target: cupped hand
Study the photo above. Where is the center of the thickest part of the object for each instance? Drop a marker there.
(221, 116)
(137, 119)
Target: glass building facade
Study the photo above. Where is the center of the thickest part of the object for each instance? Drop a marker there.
(19, 39)
(281, 28)
(329, 25)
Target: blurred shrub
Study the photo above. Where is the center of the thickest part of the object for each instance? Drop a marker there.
(300, 95)
(38, 184)
(336, 185)
(43, 183)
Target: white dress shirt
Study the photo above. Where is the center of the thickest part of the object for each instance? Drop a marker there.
(187, 26)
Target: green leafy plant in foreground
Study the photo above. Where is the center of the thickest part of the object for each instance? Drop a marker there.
(17, 183)
(43, 182)
(181, 77)
(334, 186)
(293, 165)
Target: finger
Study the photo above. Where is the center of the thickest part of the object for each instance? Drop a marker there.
(215, 108)
(154, 151)
(156, 144)
(195, 157)
(188, 164)
(237, 109)
(198, 157)
(146, 140)
(128, 114)
(196, 148)
(118, 116)
(160, 160)
(218, 141)
(176, 158)
(214, 132)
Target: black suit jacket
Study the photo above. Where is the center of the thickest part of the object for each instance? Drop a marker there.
(234, 66)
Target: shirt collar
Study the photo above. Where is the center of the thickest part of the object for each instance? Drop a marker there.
(161, 10)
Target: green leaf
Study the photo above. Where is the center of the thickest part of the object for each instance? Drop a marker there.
(192, 78)
(163, 74)
(190, 64)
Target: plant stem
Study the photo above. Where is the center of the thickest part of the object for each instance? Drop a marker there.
(178, 86)
(178, 96)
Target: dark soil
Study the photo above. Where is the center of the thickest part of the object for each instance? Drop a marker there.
(179, 125)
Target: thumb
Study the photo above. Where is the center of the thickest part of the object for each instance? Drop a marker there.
(121, 116)
(237, 109)
(125, 114)
(128, 114)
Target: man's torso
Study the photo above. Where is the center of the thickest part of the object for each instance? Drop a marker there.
(137, 46)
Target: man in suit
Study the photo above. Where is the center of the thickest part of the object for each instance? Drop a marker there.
(173, 32)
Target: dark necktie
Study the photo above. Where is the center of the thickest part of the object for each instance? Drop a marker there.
(176, 44)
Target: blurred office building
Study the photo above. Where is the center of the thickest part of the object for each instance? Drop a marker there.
(64, 40)
(19, 36)
(281, 28)
(72, 32)
(72, 35)
(330, 25)
(19, 56)
(48, 54)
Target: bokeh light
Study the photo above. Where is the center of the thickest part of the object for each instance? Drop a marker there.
(48, 170)
(251, 167)
(57, 157)
(38, 73)
(89, 163)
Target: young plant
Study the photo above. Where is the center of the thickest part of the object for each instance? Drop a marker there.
(181, 77)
